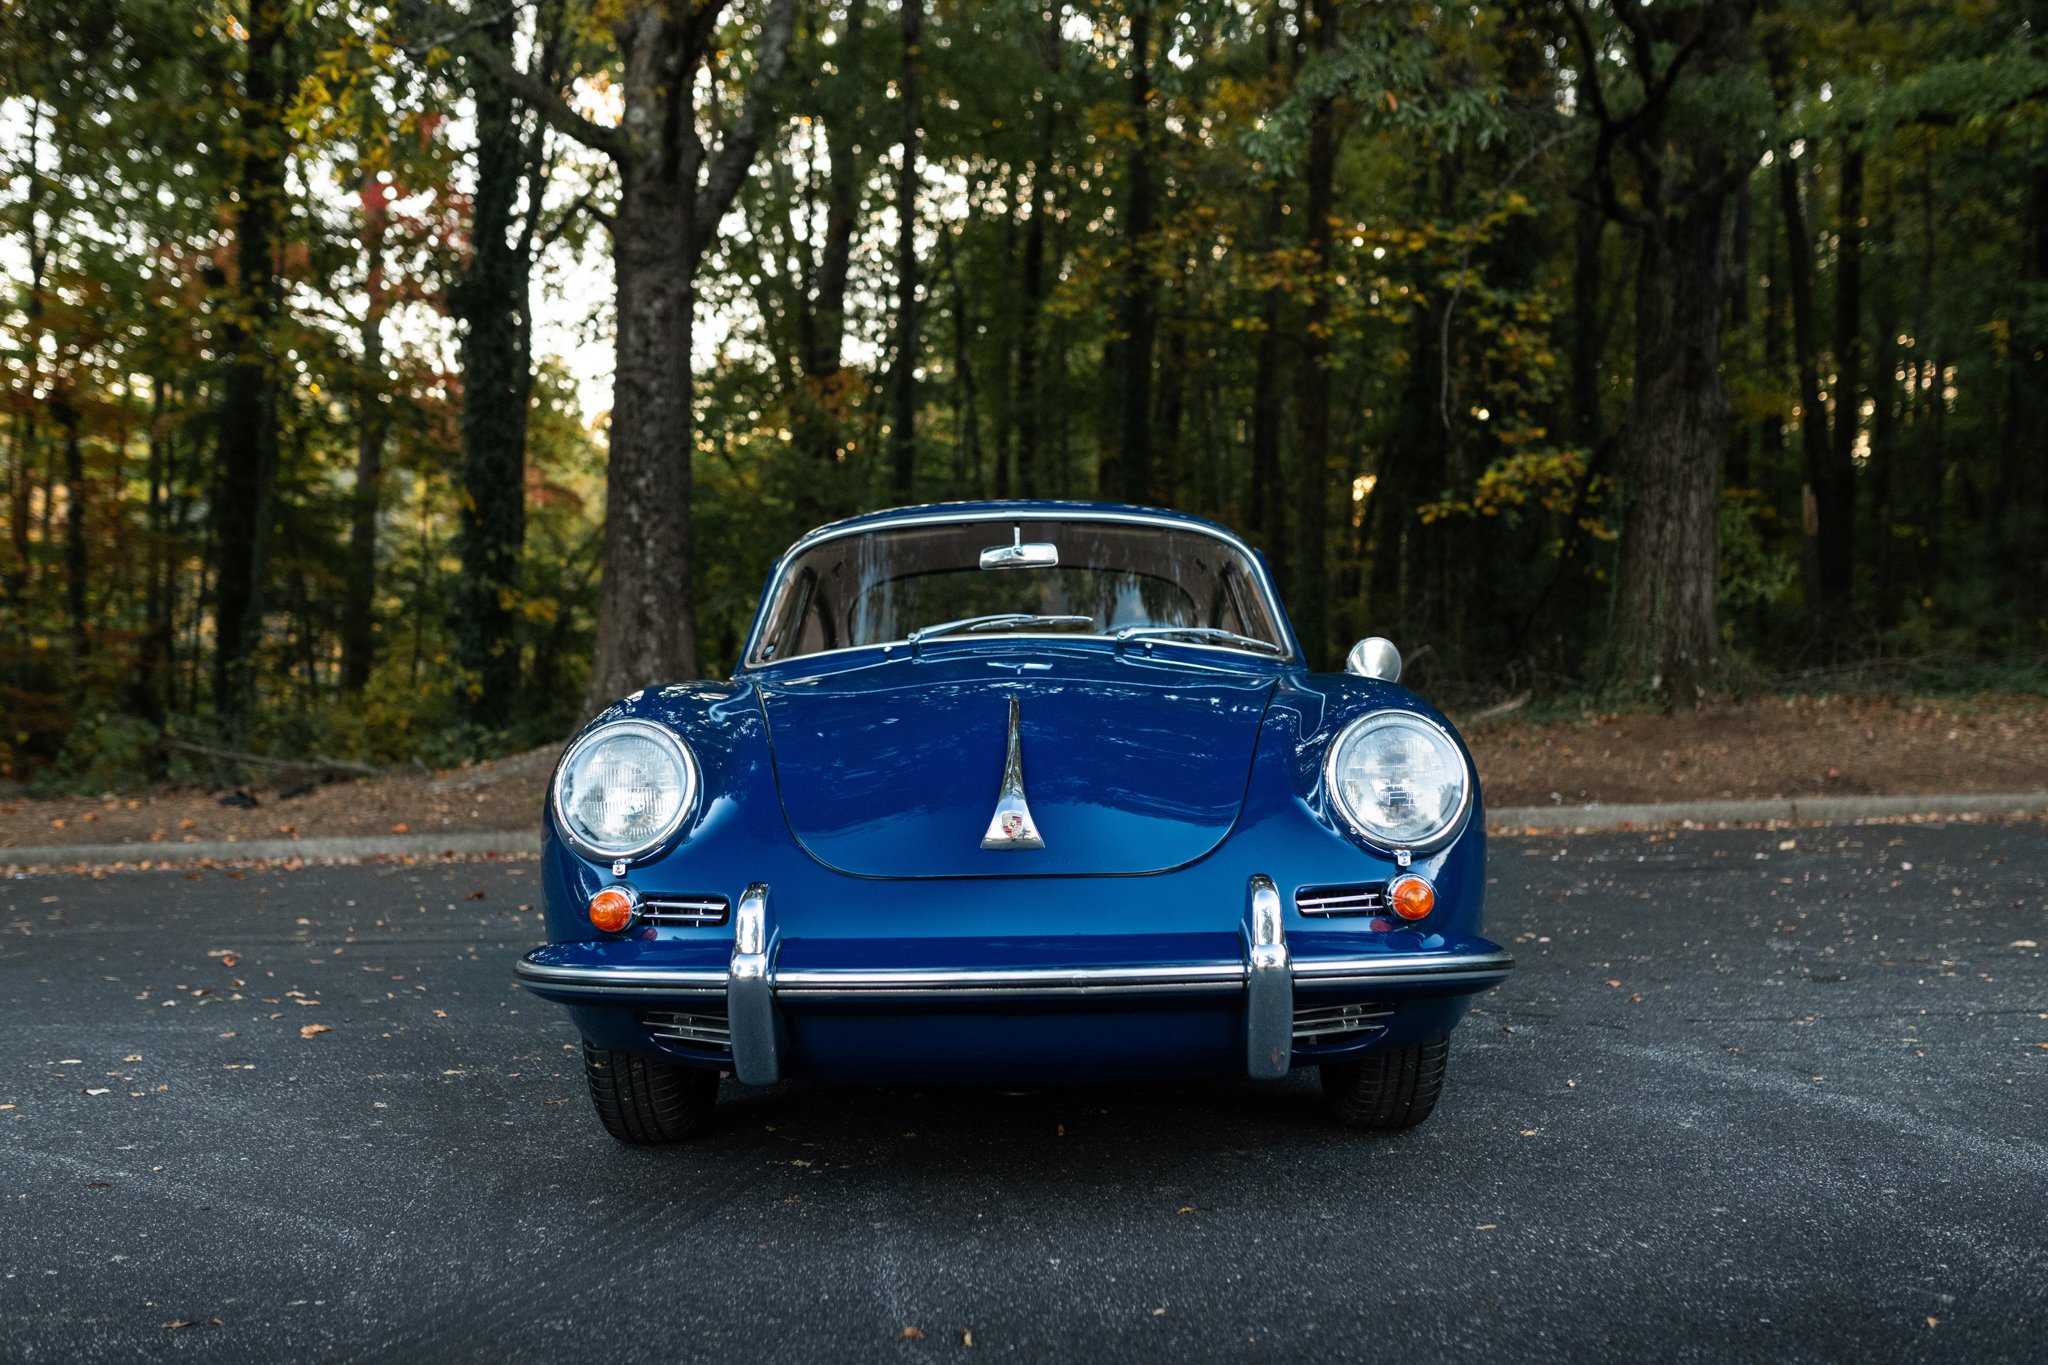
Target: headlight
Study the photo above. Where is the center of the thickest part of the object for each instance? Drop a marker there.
(623, 789)
(1399, 779)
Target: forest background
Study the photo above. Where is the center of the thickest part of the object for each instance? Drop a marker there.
(394, 382)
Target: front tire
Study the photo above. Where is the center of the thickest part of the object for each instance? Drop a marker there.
(644, 1099)
(1388, 1090)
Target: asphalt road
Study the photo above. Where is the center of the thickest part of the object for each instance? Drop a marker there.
(1741, 1100)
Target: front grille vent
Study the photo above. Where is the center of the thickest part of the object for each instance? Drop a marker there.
(678, 910)
(706, 1030)
(1340, 1023)
(1370, 898)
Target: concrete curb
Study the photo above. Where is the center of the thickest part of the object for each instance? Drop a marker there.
(1507, 819)
(355, 848)
(1820, 809)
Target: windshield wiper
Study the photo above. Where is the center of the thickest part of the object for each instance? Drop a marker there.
(999, 621)
(1216, 633)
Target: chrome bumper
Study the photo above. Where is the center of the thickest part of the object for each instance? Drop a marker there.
(1266, 976)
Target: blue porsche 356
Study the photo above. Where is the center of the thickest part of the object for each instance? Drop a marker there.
(1016, 793)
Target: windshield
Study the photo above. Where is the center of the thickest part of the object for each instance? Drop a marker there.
(877, 587)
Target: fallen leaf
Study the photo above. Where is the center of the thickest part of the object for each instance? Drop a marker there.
(401, 828)
(1612, 982)
(98, 1185)
(474, 896)
(966, 1336)
(132, 1057)
(1934, 1322)
(911, 1334)
(313, 1030)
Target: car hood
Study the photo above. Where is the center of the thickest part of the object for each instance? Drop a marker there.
(1130, 765)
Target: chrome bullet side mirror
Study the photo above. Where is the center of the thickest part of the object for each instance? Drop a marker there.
(1374, 657)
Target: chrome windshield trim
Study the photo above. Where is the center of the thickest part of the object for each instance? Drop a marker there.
(824, 534)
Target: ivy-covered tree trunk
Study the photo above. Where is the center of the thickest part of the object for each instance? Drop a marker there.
(247, 470)
(491, 301)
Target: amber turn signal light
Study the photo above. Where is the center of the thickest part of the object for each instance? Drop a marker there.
(1412, 897)
(612, 909)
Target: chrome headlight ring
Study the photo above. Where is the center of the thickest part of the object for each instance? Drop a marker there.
(1437, 829)
(652, 743)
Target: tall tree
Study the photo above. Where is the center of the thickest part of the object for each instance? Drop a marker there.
(1687, 130)
(248, 423)
(492, 301)
(1138, 314)
(1312, 377)
(359, 589)
(674, 189)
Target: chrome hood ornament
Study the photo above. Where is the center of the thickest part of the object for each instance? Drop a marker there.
(1012, 827)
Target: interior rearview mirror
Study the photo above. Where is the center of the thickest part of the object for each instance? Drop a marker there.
(1374, 657)
(1018, 555)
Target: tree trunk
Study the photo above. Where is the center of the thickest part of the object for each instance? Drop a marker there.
(1031, 326)
(1265, 501)
(903, 388)
(1312, 380)
(1589, 231)
(153, 653)
(491, 301)
(66, 413)
(818, 410)
(1828, 487)
(667, 215)
(1663, 632)
(1139, 315)
(967, 438)
(359, 593)
(248, 417)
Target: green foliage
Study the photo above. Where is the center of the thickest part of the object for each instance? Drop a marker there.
(1476, 339)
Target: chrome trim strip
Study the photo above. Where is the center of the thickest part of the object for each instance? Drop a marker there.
(946, 981)
(926, 983)
(1269, 983)
(750, 994)
(1397, 970)
(630, 981)
(828, 533)
(1011, 828)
